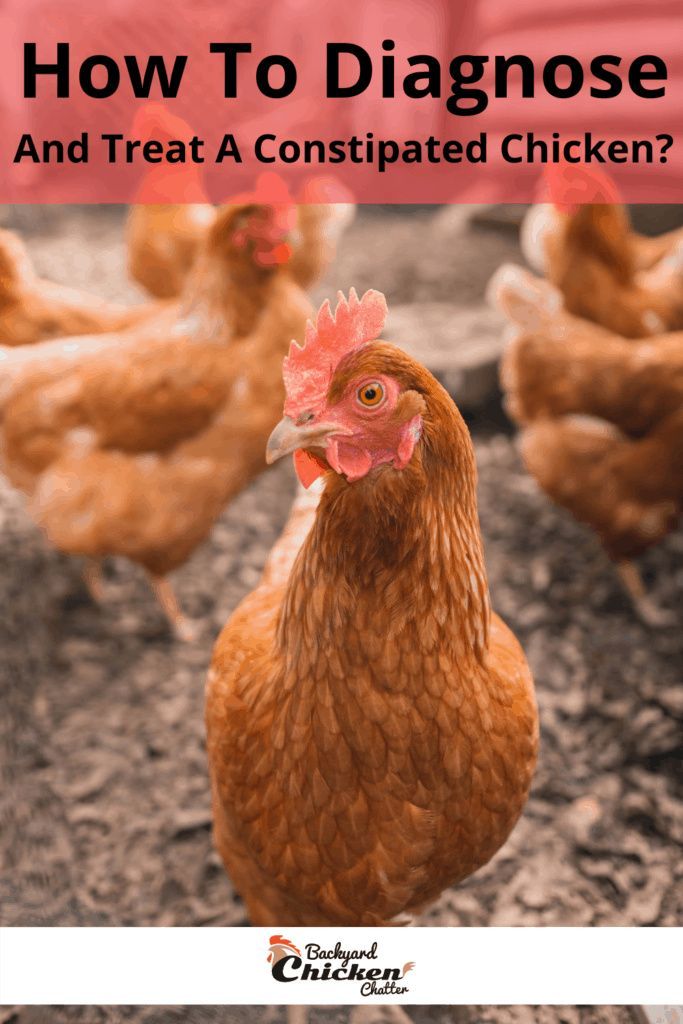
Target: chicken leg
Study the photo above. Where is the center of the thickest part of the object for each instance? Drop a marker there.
(183, 628)
(92, 577)
(647, 610)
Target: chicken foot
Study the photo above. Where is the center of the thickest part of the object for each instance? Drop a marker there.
(647, 610)
(183, 628)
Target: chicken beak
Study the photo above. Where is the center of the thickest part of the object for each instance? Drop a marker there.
(288, 437)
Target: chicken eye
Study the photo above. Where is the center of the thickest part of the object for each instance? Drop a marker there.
(371, 395)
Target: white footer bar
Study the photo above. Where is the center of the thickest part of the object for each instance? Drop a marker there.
(178, 966)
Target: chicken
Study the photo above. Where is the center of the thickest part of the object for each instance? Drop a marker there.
(134, 447)
(371, 726)
(32, 309)
(163, 240)
(603, 422)
(608, 274)
(573, 183)
(164, 236)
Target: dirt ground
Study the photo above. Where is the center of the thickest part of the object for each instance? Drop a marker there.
(317, 1015)
(104, 806)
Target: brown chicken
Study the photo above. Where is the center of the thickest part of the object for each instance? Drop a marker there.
(573, 183)
(584, 244)
(603, 419)
(164, 240)
(33, 310)
(135, 448)
(372, 728)
(164, 236)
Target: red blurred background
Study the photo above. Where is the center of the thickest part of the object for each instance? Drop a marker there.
(300, 29)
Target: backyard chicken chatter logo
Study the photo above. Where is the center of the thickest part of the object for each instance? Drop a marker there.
(316, 963)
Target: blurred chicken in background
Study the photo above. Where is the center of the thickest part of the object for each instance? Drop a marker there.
(133, 446)
(33, 309)
(602, 421)
(165, 238)
(583, 243)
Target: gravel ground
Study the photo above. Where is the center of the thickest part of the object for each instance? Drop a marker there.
(104, 806)
(318, 1015)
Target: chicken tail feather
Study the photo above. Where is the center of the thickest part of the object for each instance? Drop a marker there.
(526, 300)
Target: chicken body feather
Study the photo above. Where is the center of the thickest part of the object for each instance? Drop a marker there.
(589, 254)
(632, 385)
(164, 241)
(630, 491)
(544, 224)
(34, 310)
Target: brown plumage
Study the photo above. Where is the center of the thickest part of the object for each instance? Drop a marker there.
(590, 254)
(164, 239)
(630, 491)
(371, 726)
(602, 419)
(134, 448)
(649, 251)
(545, 221)
(33, 309)
(631, 385)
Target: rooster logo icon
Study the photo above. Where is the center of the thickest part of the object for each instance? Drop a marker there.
(281, 947)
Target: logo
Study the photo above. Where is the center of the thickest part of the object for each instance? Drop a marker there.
(317, 963)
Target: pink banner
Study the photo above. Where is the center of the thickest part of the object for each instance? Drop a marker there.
(407, 101)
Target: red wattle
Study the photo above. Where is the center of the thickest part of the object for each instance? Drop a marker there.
(307, 468)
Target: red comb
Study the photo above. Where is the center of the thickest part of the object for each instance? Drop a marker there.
(308, 370)
(268, 235)
(280, 940)
(572, 185)
(154, 120)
